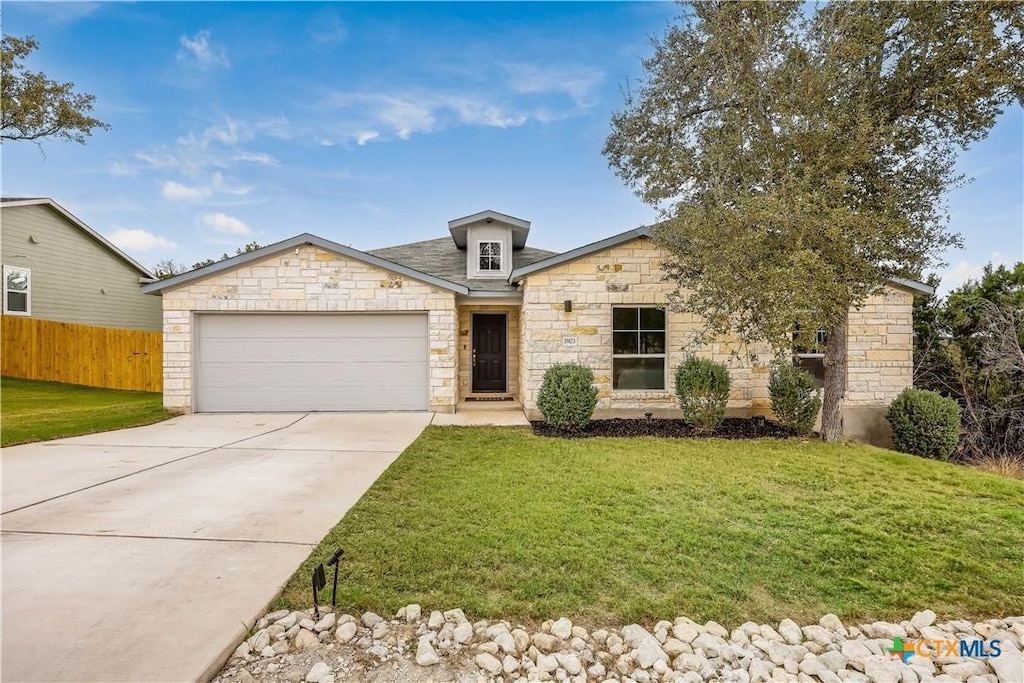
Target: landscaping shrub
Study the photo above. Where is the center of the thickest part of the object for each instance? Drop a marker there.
(702, 387)
(924, 423)
(567, 396)
(796, 398)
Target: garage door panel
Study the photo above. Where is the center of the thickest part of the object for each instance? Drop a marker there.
(312, 362)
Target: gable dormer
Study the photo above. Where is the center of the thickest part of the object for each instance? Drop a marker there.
(489, 238)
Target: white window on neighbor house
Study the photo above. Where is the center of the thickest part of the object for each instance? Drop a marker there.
(490, 256)
(17, 290)
(638, 348)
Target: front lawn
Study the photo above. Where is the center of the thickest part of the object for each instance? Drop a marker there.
(37, 411)
(503, 523)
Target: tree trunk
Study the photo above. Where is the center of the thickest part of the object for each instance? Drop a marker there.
(835, 383)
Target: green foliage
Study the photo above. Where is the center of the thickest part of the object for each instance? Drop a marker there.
(795, 396)
(702, 387)
(800, 156)
(924, 423)
(33, 107)
(970, 347)
(567, 396)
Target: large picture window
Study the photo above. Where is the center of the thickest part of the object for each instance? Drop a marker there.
(490, 256)
(638, 348)
(17, 292)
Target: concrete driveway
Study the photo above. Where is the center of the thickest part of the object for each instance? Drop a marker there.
(137, 555)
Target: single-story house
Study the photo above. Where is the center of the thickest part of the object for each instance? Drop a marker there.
(308, 324)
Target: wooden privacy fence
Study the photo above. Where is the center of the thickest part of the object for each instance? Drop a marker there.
(81, 354)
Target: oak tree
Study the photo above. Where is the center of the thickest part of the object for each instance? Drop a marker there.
(34, 107)
(800, 156)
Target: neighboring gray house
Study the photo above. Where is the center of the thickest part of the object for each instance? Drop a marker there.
(56, 267)
(310, 324)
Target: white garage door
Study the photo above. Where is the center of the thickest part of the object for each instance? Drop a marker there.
(305, 362)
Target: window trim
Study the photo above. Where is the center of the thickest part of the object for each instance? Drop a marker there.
(663, 356)
(500, 256)
(28, 292)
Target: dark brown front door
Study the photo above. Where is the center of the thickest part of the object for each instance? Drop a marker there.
(488, 352)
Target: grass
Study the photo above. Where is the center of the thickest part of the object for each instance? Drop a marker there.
(506, 524)
(37, 411)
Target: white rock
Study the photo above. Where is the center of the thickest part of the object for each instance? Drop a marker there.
(305, 640)
(964, 670)
(425, 654)
(463, 633)
(882, 670)
(562, 628)
(819, 634)
(674, 647)
(456, 616)
(760, 670)
(380, 629)
(835, 661)
(648, 649)
(259, 640)
(435, 621)
(791, 632)
(547, 663)
(317, 673)
(716, 629)
(277, 614)
(855, 650)
(346, 632)
(685, 632)
(371, 619)
(546, 642)
(412, 613)
(712, 645)
(506, 642)
(488, 663)
(326, 622)
(884, 629)
(597, 670)
(922, 619)
(509, 664)
(268, 652)
(832, 623)
(307, 624)
(1009, 665)
(571, 663)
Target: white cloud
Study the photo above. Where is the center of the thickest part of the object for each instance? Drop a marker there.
(380, 116)
(362, 137)
(199, 52)
(221, 222)
(184, 193)
(328, 29)
(139, 240)
(576, 82)
(962, 271)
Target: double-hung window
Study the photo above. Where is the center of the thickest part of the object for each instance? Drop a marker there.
(490, 256)
(638, 348)
(17, 293)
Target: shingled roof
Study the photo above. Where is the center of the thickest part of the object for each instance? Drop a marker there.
(441, 258)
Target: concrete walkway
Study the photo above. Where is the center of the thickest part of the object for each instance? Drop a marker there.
(137, 555)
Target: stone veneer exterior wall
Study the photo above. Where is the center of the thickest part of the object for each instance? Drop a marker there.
(627, 275)
(880, 340)
(880, 349)
(312, 280)
(465, 344)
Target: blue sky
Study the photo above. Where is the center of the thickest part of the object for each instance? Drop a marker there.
(374, 124)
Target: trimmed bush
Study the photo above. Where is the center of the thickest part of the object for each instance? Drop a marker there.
(567, 396)
(702, 387)
(796, 398)
(924, 423)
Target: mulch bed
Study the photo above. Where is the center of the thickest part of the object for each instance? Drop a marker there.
(731, 428)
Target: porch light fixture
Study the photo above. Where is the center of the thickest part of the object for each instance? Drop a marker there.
(567, 306)
(759, 420)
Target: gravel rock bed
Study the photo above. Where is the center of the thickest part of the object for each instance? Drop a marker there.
(299, 647)
(731, 428)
